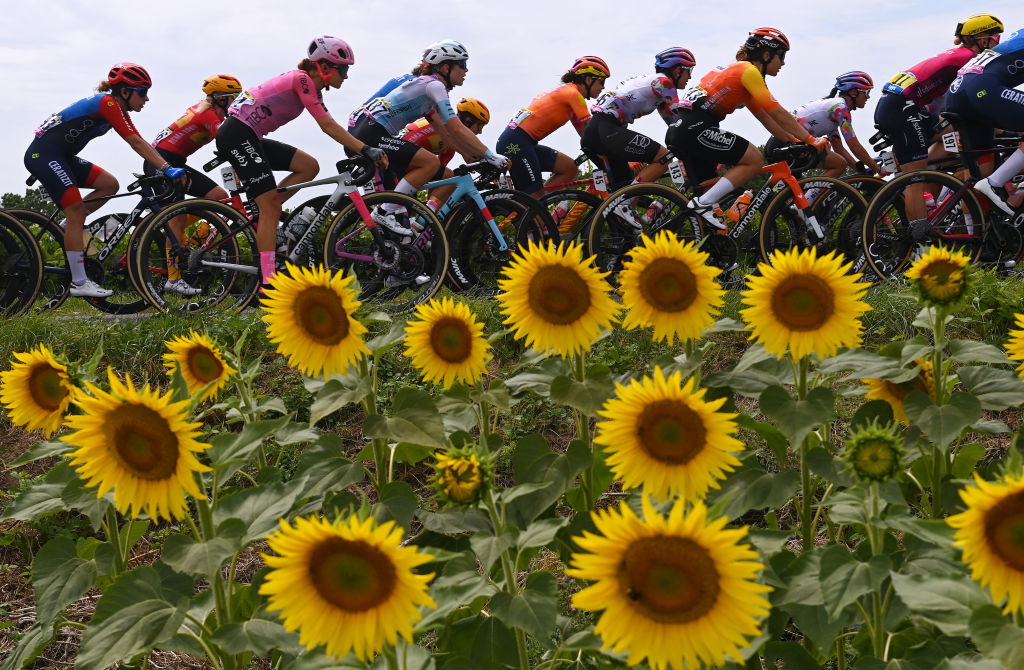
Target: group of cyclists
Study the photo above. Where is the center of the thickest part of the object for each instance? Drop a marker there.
(411, 129)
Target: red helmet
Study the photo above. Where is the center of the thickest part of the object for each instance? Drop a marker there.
(591, 65)
(129, 74)
(770, 39)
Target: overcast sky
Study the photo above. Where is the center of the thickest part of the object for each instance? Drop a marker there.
(54, 53)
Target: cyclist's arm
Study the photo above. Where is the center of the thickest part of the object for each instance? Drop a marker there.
(781, 124)
(837, 146)
(862, 154)
(334, 130)
(463, 140)
(147, 152)
(440, 129)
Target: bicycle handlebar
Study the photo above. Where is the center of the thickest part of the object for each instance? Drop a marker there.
(360, 167)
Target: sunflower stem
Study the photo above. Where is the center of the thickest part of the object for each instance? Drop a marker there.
(511, 584)
(583, 433)
(692, 350)
(389, 655)
(380, 456)
(114, 537)
(841, 651)
(807, 518)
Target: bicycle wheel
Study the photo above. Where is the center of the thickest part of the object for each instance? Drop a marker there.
(398, 275)
(106, 262)
(887, 239)
(868, 185)
(21, 266)
(836, 206)
(631, 211)
(50, 238)
(218, 258)
(541, 220)
(572, 211)
(477, 260)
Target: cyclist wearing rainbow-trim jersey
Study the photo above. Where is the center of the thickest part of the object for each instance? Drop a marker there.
(548, 112)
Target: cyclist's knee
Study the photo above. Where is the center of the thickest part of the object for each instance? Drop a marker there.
(304, 166)
(216, 193)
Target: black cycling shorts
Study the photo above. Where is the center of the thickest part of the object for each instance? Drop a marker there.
(530, 160)
(695, 138)
(908, 126)
(604, 136)
(400, 152)
(254, 160)
(59, 174)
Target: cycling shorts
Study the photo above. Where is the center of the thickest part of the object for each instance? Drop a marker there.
(198, 183)
(59, 175)
(254, 160)
(908, 126)
(529, 160)
(400, 152)
(617, 145)
(986, 104)
(695, 138)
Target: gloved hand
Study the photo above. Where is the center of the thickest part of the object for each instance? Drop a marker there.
(373, 153)
(819, 143)
(497, 160)
(174, 173)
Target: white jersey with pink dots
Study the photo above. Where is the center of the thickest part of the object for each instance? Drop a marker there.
(638, 96)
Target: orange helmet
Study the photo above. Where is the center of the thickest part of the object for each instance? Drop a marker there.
(221, 83)
(476, 109)
(591, 65)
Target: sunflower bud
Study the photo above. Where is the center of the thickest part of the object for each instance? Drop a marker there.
(874, 453)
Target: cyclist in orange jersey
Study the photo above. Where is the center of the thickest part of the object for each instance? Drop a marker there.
(548, 112)
(696, 138)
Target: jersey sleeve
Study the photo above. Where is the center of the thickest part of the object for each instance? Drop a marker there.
(840, 115)
(303, 86)
(761, 98)
(579, 114)
(118, 119)
(442, 104)
(663, 88)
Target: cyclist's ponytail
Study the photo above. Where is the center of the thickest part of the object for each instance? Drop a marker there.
(834, 93)
(103, 87)
(307, 65)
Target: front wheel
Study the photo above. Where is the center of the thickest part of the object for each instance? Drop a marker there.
(572, 211)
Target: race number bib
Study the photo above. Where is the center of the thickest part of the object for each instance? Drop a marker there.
(519, 118)
(600, 180)
(676, 171)
(54, 120)
(951, 142)
(899, 82)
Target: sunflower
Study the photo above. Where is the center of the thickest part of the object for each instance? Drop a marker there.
(446, 342)
(666, 284)
(349, 585)
(554, 299)
(806, 303)
(895, 393)
(36, 391)
(663, 436)
(201, 363)
(460, 476)
(991, 533)
(309, 318)
(941, 276)
(137, 443)
(1015, 346)
(677, 590)
(874, 452)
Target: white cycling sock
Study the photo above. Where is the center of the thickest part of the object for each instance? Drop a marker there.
(1008, 170)
(717, 191)
(406, 188)
(76, 261)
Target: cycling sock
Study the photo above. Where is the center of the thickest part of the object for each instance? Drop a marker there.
(76, 261)
(406, 188)
(1008, 170)
(267, 267)
(717, 191)
(433, 204)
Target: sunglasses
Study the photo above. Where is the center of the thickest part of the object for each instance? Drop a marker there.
(342, 69)
(464, 64)
(781, 55)
(143, 92)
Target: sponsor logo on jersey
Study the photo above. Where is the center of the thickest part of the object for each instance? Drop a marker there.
(716, 140)
(64, 177)
(1013, 96)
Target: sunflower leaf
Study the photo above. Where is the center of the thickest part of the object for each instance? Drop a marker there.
(998, 636)
(945, 601)
(789, 655)
(257, 636)
(44, 449)
(59, 577)
(971, 351)
(995, 389)
(844, 579)
(942, 424)
(184, 554)
(417, 426)
(534, 611)
(30, 645)
(338, 393)
(539, 379)
(488, 548)
(260, 507)
(81, 498)
(378, 345)
(753, 489)
(326, 468)
(397, 503)
(230, 451)
(43, 497)
(797, 418)
(588, 396)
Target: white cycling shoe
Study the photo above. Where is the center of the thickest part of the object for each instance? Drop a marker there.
(89, 289)
(181, 287)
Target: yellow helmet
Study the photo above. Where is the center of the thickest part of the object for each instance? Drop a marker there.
(221, 83)
(476, 109)
(979, 24)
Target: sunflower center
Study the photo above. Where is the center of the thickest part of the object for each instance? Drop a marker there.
(204, 364)
(803, 302)
(1004, 530)
(670, 432)
(352, 575)
(559, 295)
(942, 280)
(143, 441)
(319, 312)
(670, 580)
(451, 340)
(668, 285)
(45, 385)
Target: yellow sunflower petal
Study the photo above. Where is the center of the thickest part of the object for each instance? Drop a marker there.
(941, 276)
(555, 300)
(446, 342)
(804, 303)
(138, 443)
(309, 318)
(895, 393)
(201, 363)
(36, 390)
(1015, 345)
(349, 585)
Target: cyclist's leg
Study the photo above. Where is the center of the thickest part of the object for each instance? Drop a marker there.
(300, 165)
(834, 164)
(525, 168)
(102, 184)
(438, 196)
(563, 169)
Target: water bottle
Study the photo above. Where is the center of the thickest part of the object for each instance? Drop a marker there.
(739, 207)
(299, 223)
(929, 201)
(652, 213)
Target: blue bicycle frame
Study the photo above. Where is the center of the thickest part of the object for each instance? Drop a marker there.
(464, 186)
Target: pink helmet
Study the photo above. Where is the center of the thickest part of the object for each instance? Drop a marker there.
(331, 49)
(855, 79)
(673, 56)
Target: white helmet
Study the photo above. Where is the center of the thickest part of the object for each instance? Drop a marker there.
(444, 50)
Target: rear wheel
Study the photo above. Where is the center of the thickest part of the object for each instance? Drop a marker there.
(572, 211)
(21, 266)
(50, 237)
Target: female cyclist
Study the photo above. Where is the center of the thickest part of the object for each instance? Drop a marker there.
(548, 112)
(444, 66)
(901, 110)
(606, 135)
(830, 117)
(175, 143)
(267, 107)
(696, 138)
(52, 158)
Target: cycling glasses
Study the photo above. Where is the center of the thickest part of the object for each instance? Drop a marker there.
(342, 69)
(143, 92)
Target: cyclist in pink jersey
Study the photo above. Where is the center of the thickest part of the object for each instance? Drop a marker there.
(265, 108)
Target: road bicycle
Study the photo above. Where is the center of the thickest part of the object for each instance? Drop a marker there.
(21, 266)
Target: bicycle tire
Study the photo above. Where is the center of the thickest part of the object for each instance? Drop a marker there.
(227, 241)
(868, 185)
(837, 207)
(50, 237)
(886, 237)
(541, 218)
(400, 263)
(611, 236)
(21, 267)
(111, 272)
(579, 207)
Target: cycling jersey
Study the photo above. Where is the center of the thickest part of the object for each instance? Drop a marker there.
(827, 117)
(422, 134)
(930, 78)
(724, 89)
(70, 129)
(416, 98)
(193, 130)
(638, 96)
(389, 86)
(1004, 62)
(985, 92)
(277, 101)
(550, 110)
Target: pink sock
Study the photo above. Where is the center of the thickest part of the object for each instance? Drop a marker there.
(267, 265)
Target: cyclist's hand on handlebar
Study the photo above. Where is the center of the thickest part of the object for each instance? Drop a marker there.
(174, 173)
(376, 155)
(497, 160)
(819, 143)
